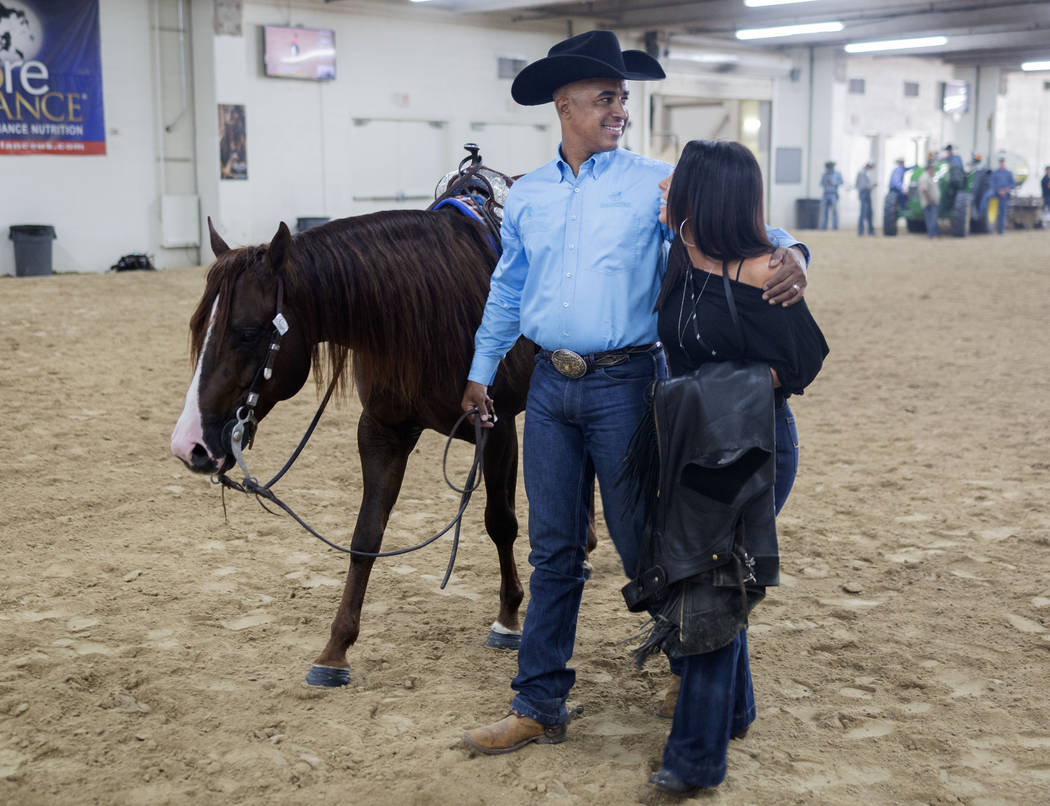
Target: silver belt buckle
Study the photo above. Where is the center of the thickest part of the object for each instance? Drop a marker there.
(569, 364)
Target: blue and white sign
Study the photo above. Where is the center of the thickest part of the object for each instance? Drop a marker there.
(50, 78)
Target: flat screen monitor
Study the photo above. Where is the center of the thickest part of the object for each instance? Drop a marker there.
(956, 96)
(307, 53)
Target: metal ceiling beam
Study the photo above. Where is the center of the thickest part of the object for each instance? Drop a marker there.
(1010, 58)
(724, 16)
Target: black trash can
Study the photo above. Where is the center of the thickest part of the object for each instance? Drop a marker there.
(303, 224)
(807, 213)
(32, 249)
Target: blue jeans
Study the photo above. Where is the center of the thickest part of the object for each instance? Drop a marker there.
(865, 214)
(829, 204)
(929, 212)
(1000, 217)
(717, 697)
(571, 425)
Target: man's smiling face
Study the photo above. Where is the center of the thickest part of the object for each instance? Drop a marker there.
(593, 113)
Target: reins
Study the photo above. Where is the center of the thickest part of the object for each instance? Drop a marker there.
(242, 431)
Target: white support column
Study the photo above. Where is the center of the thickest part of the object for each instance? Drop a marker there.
(202, 15)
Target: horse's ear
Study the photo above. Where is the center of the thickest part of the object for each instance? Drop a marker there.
(218, 245)
(280, 247)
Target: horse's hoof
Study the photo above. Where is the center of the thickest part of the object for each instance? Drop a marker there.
(502, 638)
(327, 676)
(588, 570)
(498, 640)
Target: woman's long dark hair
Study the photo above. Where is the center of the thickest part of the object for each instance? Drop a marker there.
(717, 190)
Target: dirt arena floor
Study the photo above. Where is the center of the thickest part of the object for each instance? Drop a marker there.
(153, 653)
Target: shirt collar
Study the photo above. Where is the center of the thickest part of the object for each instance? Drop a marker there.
(598, 163)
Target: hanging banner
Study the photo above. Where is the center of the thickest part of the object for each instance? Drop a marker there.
(233, 142)
(50, 78)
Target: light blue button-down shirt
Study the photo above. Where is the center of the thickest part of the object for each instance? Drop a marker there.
(583, 260)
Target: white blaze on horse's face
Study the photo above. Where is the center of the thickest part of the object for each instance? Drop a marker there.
(187, 440)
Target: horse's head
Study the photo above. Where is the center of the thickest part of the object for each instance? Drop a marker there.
(233, 330)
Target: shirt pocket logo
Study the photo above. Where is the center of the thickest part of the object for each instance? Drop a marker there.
(614, 200)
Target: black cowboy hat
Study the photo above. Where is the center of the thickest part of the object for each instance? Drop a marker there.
(595, 54)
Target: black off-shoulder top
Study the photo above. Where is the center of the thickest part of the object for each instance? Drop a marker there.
(695, 327)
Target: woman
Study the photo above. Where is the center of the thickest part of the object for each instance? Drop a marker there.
(715, 206)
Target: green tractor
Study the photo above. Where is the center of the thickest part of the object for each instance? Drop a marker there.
(961, 195)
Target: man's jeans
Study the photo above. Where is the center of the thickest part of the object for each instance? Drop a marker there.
(1000, 217)
(829, 203)
(929, 212)
(865, 213)
(717, 698)
(572, 427)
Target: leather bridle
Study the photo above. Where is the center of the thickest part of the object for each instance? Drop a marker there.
(240, 433)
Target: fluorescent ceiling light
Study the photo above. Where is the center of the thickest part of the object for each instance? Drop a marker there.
(789, 30)
(1029, 66)
(897, 44)
(761, 3)
(703, 58)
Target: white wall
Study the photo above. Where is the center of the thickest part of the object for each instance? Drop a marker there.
(394, 76)
(1026, 125)
(883, 124)
(301, 160)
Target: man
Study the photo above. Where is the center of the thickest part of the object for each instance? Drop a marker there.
(930, 197)
(954, 160)
(1000, 183)
(579, 275)
(829, 199)
(897, 183)
(864, 186)
(1044, 184)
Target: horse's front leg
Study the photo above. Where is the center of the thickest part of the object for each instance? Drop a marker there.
(384, 454)
(500, 466)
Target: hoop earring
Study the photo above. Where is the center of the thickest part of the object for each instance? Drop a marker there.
(682, 235)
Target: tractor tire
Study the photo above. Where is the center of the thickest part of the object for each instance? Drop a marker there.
(961, 215)
(979, 224)
(889, 215)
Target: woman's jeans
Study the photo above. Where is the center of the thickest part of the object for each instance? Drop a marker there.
(717, 698)
(574, 429)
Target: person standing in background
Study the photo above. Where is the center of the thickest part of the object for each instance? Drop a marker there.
(829, 199)
(897, 183)
(1001, 182)
(1044, 183)
(930, 196)
(864, 186)
(953, 159)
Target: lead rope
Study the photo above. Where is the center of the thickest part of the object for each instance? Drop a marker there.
(242, 430)
(251, 486)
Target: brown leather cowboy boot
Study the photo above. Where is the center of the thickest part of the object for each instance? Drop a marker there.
(666, 709)
(511, 733)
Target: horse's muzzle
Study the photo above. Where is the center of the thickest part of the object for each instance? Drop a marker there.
(200, 461)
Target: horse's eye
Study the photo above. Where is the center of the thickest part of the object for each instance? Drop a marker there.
(247, 338)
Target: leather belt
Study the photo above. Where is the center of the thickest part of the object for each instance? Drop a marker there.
(573, 365)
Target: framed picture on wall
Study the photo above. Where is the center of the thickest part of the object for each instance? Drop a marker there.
(233, 142)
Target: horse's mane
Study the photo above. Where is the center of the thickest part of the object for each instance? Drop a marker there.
(399, 293)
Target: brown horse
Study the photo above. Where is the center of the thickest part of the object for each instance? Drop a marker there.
(394, 298)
